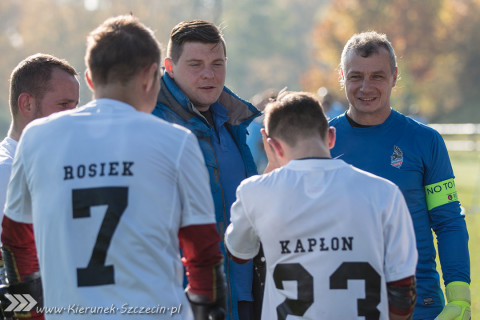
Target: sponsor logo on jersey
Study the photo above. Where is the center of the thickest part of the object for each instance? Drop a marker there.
(396, 159)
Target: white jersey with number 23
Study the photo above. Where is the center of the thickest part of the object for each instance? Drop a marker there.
(332, 236)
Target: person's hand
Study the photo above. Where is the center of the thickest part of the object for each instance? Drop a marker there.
(458, 298)
(270, 152)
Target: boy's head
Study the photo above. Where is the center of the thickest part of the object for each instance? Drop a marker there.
(120, 48)
(295, 116)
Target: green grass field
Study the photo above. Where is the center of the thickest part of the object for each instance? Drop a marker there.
(466, 166)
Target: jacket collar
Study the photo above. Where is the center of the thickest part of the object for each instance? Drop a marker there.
(238, 110)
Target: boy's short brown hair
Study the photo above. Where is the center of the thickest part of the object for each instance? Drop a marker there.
(294, 116)
(120, 48)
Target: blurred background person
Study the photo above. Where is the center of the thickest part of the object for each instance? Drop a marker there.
(254, 137)
(330, 104)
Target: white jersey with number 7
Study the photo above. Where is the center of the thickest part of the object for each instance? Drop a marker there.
(107, 189)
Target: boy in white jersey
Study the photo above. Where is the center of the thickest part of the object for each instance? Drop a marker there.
(114, 192)
(323, 224)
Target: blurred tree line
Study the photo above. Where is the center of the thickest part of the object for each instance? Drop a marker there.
(263, 37)
(277, 43)
(437, 43)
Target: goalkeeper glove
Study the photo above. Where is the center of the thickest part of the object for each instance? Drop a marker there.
(458, 302)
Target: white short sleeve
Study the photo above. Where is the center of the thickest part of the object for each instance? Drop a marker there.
(401, 252)
(18, 207)
(194, 185)
(240, 238)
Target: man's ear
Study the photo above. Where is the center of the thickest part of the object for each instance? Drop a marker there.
(332, 136)
(395, 77)
(26, 104)
(168, 62)
(88, 79)
(150, 76)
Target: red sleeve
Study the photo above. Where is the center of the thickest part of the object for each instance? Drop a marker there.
(201, 253)
(19, 242)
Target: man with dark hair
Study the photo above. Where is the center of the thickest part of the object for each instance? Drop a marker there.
(122, 191)
(374, 137)
(306, 213)
(40, 85)
(193, 94)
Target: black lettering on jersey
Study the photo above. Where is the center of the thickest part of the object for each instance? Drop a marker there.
(81, 171)
(323, 244)
(126, 168)
(102, 170)
(323, 247)
(92, 170)
(334, 244)
(68, 172)
(284, 245)
(347, 244)
(299, 247)
(113, 168)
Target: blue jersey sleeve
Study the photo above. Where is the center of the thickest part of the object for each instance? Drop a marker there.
(446, 218)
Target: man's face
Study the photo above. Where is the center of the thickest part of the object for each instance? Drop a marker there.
(200, 72)
(368, 85)
(64, 94)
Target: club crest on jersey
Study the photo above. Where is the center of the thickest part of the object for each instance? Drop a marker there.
(396, 159)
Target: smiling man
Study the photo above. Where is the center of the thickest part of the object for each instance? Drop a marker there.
(193, 95)
(374, 137)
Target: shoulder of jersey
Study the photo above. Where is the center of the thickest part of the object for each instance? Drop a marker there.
(256, 179)
(51, 118)
(266, 180)
(162, 125)
(371, 178)
(418, 126)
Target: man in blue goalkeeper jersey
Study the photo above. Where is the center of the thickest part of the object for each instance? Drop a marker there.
(374, 137)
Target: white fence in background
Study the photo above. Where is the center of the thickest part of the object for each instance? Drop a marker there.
(452, 132)
(463, 137)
